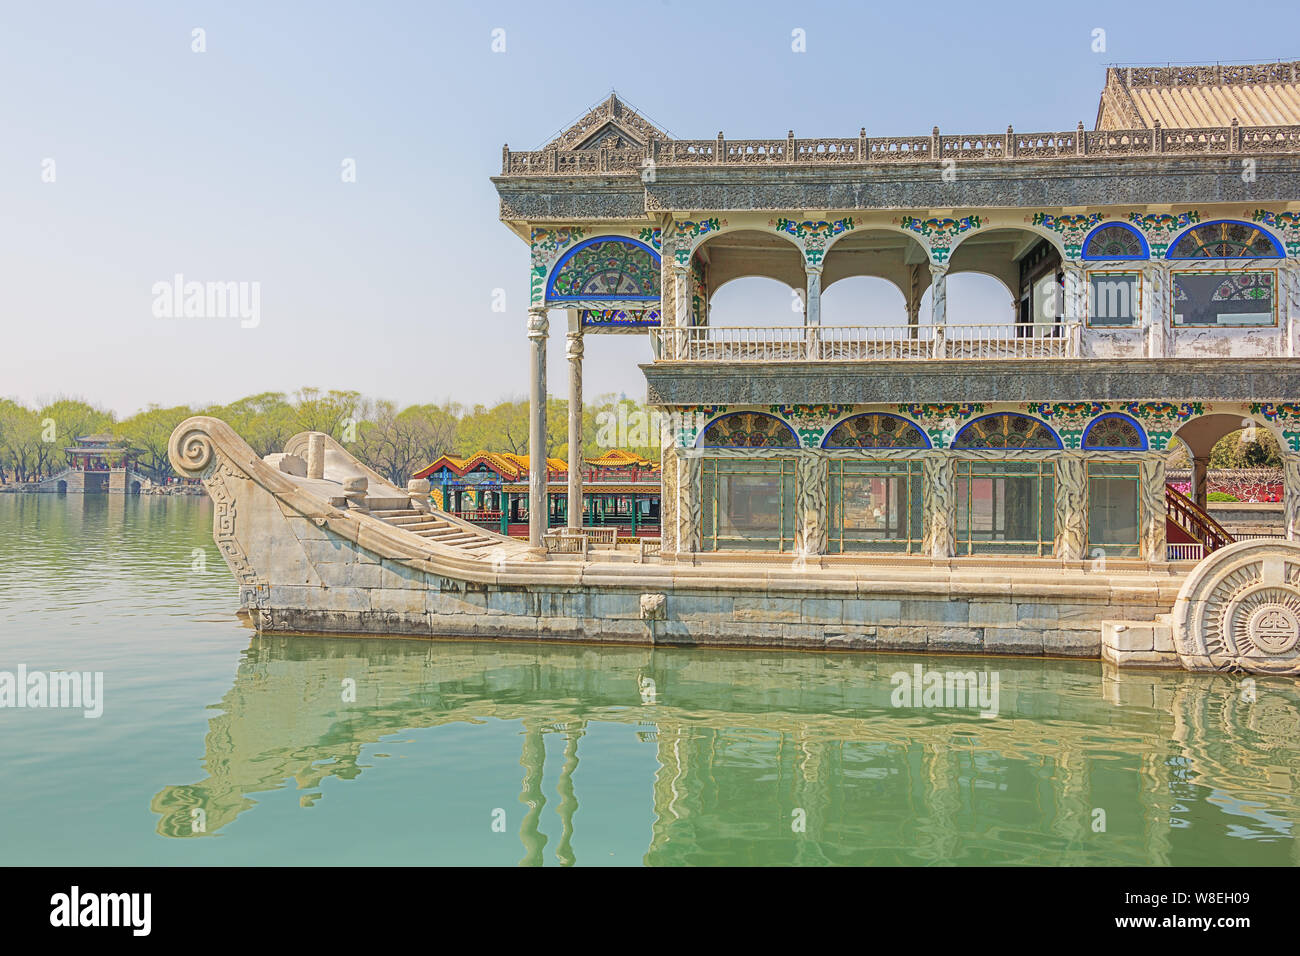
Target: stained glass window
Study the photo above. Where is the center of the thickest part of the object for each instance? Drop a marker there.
(749, 430)
(1006, 431)
(606, 267)
(1114, 241)
(1114, 432)
(875, 431)
(1225, 240)
(1224, 298)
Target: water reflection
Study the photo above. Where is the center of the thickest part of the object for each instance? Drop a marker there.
(781, 758)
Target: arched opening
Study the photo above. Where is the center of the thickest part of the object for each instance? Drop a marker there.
(1201, 435)
(864, 300)
(756, 301)
(747, 502)
(747, 278)
(1029, 267)
(859, 269)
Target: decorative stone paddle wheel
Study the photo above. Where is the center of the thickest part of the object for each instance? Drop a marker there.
(1239, 610)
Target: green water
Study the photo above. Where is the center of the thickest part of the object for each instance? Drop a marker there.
(483, 753)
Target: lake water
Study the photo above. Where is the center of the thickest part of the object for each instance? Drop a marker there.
(219, 747)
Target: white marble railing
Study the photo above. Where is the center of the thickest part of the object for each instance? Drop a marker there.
(1186, 552)
(864, 342)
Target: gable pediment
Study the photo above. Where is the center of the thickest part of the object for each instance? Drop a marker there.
(610, 124)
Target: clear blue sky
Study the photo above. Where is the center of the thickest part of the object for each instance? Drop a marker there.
(226, 165)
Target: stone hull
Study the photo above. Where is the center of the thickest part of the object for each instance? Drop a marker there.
(305, 564)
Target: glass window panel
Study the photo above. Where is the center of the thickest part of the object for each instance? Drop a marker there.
(1113, 508)
(1224, 298)
(1113, 299)
(875, 505)
(1004, 507)
(747, 505)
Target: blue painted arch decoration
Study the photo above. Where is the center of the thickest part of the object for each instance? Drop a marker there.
(605, 268)
(875, 430)
(748, 430)
(1009, 431)
(1225, 239)
(1114, 431)
(1115, 240)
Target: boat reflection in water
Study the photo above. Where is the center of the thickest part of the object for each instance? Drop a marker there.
(745, 757)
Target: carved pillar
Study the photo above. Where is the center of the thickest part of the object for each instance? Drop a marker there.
(810, 509)
(1074, 305)
(1152, 507)
(573, 351)
(1291, 495)
(688, 503)
(938, 505)
(1291, 304)
(538, 327)
(669, 453)
(813, 308)
(681, 311)
(1071, 507)
(1155, 307)
(939, 305)
(1201, 480)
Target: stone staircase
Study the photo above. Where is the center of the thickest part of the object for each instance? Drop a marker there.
(432, 526)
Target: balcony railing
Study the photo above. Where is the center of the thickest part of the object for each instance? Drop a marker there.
(862, 150)
(834, 343)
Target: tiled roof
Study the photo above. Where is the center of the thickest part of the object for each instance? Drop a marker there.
(1204, 96)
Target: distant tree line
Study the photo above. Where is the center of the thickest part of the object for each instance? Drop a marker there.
(392, 440)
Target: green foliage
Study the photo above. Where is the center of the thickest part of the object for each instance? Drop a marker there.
(1221, 496)
(1234, 451)
(394, 441)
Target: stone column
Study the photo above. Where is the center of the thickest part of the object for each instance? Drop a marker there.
(1291, 495)
(813, 308)
(938, 305)
(810, 512)
(938, 505)
(812, 312)
(1155, 307)
(315, 455)
(573, 351)
(668, 456)
(1073, 305)
(1071, 507)
(1153, 509)
(688, 503)
(681, 312)
(538, 327)
(1201, 480)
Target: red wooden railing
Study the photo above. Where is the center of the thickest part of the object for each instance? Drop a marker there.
(1191, 519)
